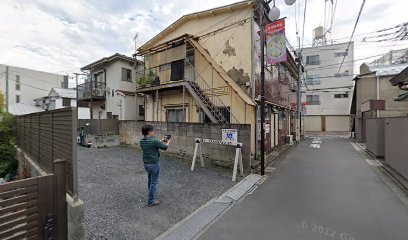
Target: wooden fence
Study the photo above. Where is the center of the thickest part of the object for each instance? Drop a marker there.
(35, 208)
(51, 135)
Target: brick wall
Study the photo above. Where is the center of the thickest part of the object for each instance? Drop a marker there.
(183, 138)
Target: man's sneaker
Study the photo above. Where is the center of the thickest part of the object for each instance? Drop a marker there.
(157, 202)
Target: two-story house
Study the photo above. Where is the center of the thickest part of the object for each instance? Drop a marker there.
(110, 87)
(61, 98)
(375, 96)
(205, 68)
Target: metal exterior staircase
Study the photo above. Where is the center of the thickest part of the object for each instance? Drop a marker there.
(213, 110)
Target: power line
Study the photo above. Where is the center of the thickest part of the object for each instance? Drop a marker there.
(329, 65)
(352, 34)
(41, 80)
(367, 33)
(304, 20)
(332, 19)
(329, 88)
(25, 84)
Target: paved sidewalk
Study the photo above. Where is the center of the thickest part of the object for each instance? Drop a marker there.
(113, 186)
(330, 192)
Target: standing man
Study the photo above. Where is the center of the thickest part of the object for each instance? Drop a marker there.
(150, 148)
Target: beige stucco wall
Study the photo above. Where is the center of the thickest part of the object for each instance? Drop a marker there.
(313, 123)
(367, 90)
(338, 123)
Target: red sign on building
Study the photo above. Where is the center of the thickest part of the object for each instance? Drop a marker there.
(276, 26)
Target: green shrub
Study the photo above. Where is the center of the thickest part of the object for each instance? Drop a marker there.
(8, 162)
(146, 79)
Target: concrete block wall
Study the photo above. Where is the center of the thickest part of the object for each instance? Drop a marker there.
(396, 139)
(375, 140)
(183, 138)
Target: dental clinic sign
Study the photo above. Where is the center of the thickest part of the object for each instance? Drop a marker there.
(276, 42)
(230, 135)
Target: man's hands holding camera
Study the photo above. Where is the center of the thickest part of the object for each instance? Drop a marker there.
(167, 139)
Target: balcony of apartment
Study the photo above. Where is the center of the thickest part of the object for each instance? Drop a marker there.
(91, 90)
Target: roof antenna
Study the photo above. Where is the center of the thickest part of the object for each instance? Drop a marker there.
(135, 40)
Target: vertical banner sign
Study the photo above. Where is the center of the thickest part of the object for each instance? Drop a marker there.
(276, 42)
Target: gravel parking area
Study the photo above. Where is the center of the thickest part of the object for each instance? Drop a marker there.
(113, 186)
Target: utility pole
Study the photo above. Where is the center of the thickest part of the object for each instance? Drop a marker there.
(76, 90)
(262, 41)
(7, 88)
(299, 94)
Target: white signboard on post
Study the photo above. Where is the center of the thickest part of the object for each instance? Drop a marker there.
(230, 135)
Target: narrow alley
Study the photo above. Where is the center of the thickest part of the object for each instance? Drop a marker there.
(324, 189)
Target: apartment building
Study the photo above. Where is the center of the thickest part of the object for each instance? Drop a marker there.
(23, 85)
(205, 68)
(328, 87)
(109, 89)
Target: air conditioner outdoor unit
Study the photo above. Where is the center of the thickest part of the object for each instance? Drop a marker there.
(289, 139)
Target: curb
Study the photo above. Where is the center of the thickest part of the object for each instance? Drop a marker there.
(257, 168)
(388, 176)
(388, 169)
(197, 222)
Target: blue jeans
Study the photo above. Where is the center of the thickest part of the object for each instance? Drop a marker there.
(152, 170)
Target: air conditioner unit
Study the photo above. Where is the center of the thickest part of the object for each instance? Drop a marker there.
(289, 139)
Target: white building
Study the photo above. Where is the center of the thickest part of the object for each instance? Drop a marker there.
(398, 56)
(22, 85)
(328, 91)
(61, 98)
(110, 88)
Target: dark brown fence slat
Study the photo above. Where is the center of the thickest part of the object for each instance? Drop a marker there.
(19, 191)
(18, 199)
(18, 221)
(18, 184)
(21, 228)
(18, 214)
(18, 206)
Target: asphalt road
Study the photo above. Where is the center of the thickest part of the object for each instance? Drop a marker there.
(317, 193)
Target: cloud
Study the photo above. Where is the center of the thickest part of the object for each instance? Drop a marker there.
(62, 35)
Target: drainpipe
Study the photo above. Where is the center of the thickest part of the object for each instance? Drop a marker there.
(378, 95)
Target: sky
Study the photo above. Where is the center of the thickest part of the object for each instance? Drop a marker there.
(61, 36)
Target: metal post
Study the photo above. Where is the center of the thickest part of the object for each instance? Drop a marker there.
(157, 105)
(184, 103)
(59, 170)
(91, 105)
(7, 88)
(299, 94)
(262, 41)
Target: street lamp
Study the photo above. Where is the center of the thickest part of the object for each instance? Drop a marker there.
(273, 14)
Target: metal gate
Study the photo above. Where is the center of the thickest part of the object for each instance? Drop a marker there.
(35, 208)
